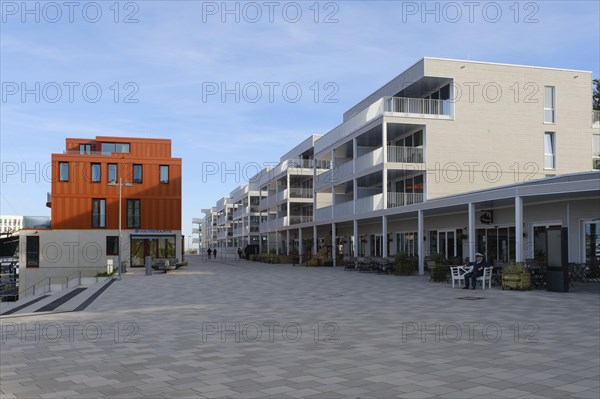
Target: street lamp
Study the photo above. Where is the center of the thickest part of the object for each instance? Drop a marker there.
(120, 184)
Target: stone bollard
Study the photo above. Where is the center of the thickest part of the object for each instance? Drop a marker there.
(148, 265)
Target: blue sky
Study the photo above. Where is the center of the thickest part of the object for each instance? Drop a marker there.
(178, 50)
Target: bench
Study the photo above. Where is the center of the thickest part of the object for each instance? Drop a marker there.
(167, 264)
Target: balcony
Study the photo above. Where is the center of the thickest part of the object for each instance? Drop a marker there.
(368, 160)
(404, 154)
(323, 213)
(300, 192)
(343, 209)
(196, 220)
(396, 200)
(49, 200)
(195, 231)
(596, 119)
(409, 107)
(419, 107)
(369, 204)
(297, 219)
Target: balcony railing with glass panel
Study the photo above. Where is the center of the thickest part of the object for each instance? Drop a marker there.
(300, 192)
(297, 219)
(596, 119)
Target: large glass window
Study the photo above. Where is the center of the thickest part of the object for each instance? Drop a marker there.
(549, 151)
(137, 173)
(63, 171)
(549, 104)
(592, 242)
(112, 172)
(109, 148)
(33, 251)
(96, 172)
(98, 213)
(407, 243)
(112, 245)
(133, 213)
(164, 174)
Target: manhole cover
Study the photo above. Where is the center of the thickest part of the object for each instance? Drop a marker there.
(470, 298)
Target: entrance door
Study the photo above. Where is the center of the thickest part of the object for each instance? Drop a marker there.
(446, 241)
(376, 245)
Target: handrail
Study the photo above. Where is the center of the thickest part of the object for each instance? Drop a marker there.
(78, 273)
(34, 285)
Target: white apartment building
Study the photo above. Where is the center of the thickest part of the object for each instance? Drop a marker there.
(10, 224)
(449, 157)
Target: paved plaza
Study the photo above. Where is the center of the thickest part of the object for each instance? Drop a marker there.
(239, 329)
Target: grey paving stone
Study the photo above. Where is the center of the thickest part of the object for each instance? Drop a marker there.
(176, 348)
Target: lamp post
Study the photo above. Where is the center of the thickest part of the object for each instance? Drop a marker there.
(120, 184)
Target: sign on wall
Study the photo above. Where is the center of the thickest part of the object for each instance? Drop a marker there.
(487, 217)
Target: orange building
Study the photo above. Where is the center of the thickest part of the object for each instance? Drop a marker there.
(85, 194)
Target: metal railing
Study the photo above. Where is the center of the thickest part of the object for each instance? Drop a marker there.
(418, 106)
(596, 118)
(297, 219)
(405, 154)
(395, 200)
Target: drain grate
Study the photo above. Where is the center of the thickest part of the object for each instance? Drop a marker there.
(470, 298)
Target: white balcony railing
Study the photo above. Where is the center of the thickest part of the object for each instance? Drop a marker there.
(405, 154)
(596, 118)
(280, 196)
(369, 159)
(418, 106)
(401, 199)
(197, 220)
(369, 204)
(343, 209)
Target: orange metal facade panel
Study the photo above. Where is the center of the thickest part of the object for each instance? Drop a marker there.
(160, 203)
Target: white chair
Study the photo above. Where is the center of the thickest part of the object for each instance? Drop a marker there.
(458, 274)
(487, 276)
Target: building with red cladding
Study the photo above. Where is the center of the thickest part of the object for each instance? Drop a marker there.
(84, 202)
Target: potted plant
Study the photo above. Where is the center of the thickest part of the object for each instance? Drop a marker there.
(516, 277)
(403, 265)
(440, 270)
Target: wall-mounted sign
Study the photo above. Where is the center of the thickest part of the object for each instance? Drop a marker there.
(153, 231)
(487, 217)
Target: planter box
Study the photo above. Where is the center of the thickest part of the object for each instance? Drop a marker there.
(516, 281)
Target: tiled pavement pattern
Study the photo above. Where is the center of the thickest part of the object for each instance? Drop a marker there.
(158, 336)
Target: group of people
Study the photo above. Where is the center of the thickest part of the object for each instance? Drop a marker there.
(212, 252)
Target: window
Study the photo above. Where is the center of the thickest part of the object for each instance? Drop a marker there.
(63, 171)
(112, 172)
(96, 172)
(33, 251)
(109, 148)
(596, 151)
(122, 147)
(98, 213)
(549, 151)
(133, 213)
(112, 245)
(549, 105)
(137, 173)
(85, 149)
(164, 174)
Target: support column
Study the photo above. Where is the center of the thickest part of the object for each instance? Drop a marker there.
(333, 244)
(300, 245)
(287, 242)
(356, 238)
(471, 232)
(420, 248)
(315, 239)
(385, 235)
(384, 183)
(519, 229)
